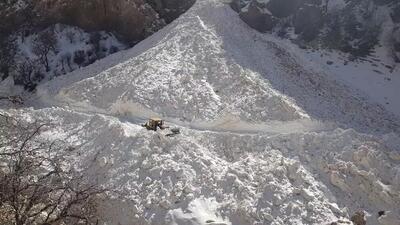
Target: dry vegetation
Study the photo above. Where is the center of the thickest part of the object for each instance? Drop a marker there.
(37, 184)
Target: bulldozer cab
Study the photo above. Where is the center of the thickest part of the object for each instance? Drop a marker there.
(153, 123)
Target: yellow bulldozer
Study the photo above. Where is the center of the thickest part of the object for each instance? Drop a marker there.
(155, 123)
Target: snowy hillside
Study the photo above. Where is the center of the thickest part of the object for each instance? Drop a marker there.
(58, 50)
(267, 137)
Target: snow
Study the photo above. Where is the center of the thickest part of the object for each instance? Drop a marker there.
(297, 178)
(267, 137)
(200, 212)
(69, 40)
(377, 80)
(377, 76)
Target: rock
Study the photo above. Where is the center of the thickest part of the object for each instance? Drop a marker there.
(308, 21)
(359, 218)
(170, 9)
(237, 5)
(389, 218)
(132, 19)
(283, 8)
(258, 17)
(345, 29)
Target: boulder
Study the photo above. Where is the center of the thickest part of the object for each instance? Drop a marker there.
(258, 17)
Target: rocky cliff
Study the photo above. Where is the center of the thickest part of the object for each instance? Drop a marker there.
(25, 21)
(132, 19)
(353, 26)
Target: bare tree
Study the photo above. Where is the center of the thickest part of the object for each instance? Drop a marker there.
(37, 185)
(27, 74)
(45, 42)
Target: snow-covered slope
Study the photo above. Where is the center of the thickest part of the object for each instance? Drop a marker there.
(267, 137)
(207, 64)
(58, 50)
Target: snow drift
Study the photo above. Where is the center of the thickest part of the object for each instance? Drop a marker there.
(267, 138)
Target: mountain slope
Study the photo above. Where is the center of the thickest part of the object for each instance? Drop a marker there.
(267, 138)
(206, 54)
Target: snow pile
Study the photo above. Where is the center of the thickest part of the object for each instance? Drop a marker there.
(226, 178)
(266, 138)
(194, 66)
(200, 212)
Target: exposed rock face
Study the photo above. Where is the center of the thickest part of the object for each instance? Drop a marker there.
(258, 17)
(170, 9)
(133, 19)
(353, 27)
(264, 15)
(237, 5)
(308, 21)
(283, 8)
(129, 21)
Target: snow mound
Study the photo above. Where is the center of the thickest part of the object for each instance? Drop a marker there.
(199, 212)
(207, 64)
(266, 137)
(226, 178)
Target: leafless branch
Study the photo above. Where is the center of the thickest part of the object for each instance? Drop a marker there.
(34, 184)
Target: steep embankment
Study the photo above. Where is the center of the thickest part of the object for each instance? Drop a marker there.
(331, 152)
